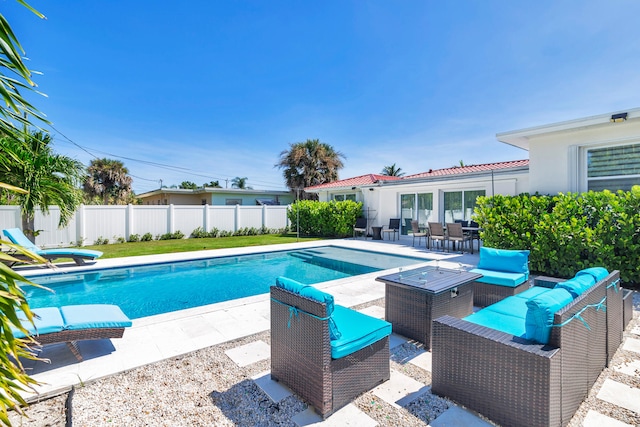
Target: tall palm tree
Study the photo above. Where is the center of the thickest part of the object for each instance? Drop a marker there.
(109, 180)
(240, 183)
(309, 163)
(49, 179)
(392, 171)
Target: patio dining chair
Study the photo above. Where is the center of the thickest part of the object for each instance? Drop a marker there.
(455, 234)
(360, 227)
(394, 228)
(415, 228)
(436, 232)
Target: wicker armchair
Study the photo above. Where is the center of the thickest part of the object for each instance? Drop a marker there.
(301, 355)
(517, 382)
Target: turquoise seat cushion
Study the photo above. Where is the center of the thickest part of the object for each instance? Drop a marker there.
(598, 273)
(541, 308)
(358, 331)
(578, 285)
(532, 292)
(90, 316)
(307, 291)
(46, 320)
(502, 278)
(507, 260)
(501, 321)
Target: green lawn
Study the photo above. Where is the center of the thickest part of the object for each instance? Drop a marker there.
(118, 250)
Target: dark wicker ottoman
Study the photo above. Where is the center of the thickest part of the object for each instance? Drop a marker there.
(485, 294)
(411, 304)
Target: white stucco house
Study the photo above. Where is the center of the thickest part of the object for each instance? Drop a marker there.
(592, 153)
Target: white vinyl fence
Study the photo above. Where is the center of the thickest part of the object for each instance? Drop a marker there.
(93, 222)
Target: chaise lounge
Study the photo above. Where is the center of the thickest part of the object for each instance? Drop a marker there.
(531, 359)
(80, 256)
(73, 323)
(326, 353)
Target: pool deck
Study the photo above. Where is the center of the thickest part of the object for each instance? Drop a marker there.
(164, 336)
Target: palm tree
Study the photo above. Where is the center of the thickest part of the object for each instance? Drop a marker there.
(240, 183)
(49, 179)
(212, 184)
(309, 163)
(188, 185)
(392, 171)
(14, 75)
(109, 180)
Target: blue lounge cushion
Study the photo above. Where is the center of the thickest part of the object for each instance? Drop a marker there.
(503, 322)
(502, 278)
(18, 237)
(598, 273)
(307, 291)
(69, 253)
(507, 260)
(532, 292)
(46, 320)
(541, 308)
(578, 285)
(358, 331)
(90, 316)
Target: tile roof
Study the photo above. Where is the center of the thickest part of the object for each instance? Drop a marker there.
(371, 179)
(458, 170)
(361, 180)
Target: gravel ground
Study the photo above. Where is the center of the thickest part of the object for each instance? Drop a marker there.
(206, 388)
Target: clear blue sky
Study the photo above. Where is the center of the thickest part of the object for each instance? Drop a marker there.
(217, 89)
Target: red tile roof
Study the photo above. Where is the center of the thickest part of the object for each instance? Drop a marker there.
(371, 179)
(361, 180)
(457, 170)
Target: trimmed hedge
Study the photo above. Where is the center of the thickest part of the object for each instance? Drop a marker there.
(325, 219)
(567, 232)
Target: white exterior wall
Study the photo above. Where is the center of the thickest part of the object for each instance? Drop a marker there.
(384, 201)
(557, 161)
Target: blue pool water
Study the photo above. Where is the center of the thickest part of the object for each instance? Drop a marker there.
(160, 288)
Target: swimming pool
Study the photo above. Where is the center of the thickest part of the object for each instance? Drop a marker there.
(146, 290)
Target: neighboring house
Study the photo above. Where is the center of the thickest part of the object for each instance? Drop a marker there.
(593, 153)
(437, 195)
(215, 196)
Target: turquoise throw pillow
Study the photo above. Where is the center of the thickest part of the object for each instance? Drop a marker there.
(307, 291)
(578, 285)
(540, 311)
(598, 273)
(511, 261)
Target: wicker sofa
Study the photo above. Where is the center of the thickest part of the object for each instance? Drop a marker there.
(505, 272)
(513, 380)
(327, 354)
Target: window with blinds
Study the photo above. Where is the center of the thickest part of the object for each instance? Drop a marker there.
(613, 168)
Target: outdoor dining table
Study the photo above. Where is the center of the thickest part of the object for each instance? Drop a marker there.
(413, 298)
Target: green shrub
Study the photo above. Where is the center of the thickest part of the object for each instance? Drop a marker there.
(134, 238)
(324, 219)
(567, 232)
(101, 241)
(199, 233)
(146, 237)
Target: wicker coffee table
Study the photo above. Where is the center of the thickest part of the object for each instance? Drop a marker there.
(413, 298)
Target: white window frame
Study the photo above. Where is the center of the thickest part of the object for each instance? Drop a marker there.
(583, 161)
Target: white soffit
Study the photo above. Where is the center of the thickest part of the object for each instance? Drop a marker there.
(520, 138)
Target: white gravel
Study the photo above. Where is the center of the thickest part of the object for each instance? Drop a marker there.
(206, 388)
